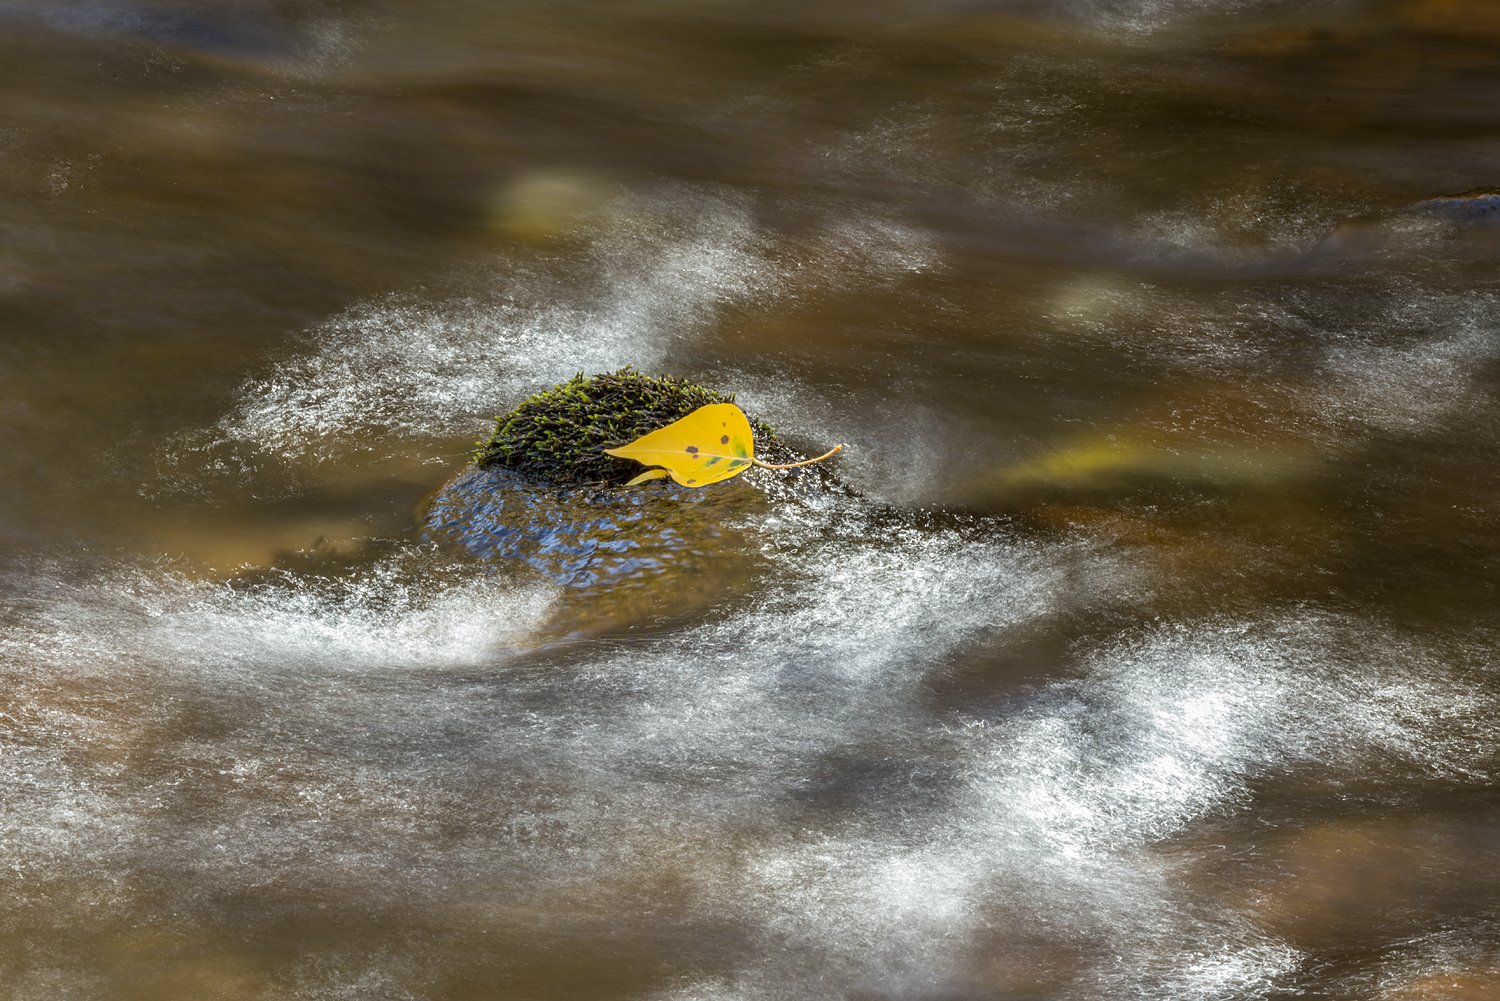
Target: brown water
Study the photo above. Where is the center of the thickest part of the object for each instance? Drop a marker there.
(1158, 663)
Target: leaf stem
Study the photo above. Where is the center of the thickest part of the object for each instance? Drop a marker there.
(793, 465)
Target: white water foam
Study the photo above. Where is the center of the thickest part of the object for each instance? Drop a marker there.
(784, 766)
(1403, 358)
(337, 729)
(1385, 377)
(133, 617)
(659, 271)
(102, 669)
(1146, 16)
(408, 367)
(1053, 822)
(1458, 963)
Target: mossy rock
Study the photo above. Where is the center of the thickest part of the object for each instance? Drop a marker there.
(559, 436)
(541, 494)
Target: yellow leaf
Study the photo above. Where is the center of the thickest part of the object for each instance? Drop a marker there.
(710, 444)
(650, 474)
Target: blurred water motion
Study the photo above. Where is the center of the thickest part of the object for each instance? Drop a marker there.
(1154, 660)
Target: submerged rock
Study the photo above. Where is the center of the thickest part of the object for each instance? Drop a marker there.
(1478, 207)
(1208, 439)
(584, 536)
(253, 33)
(1470, 216)
(544, 206)
(1341, 882)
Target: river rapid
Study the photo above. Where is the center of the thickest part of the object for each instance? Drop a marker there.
(1156, 659)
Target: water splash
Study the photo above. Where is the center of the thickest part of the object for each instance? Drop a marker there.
(408, 367)
(780, 770)
(663, 266)
(1049, 829)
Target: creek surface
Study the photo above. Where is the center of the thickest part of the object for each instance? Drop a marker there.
(1156, 661)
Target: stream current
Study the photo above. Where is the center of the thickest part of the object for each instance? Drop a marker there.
(1156, 660)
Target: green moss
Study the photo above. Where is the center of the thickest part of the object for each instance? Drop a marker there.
(559, 435)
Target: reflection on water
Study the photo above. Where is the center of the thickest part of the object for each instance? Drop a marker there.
(1154, 659)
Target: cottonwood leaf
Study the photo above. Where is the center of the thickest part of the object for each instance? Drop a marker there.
(710, 444)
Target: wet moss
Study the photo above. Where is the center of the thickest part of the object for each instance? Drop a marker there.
(559, 435)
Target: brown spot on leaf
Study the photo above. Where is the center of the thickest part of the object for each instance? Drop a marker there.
(724, 439)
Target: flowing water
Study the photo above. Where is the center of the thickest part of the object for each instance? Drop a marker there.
(1156, 660)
